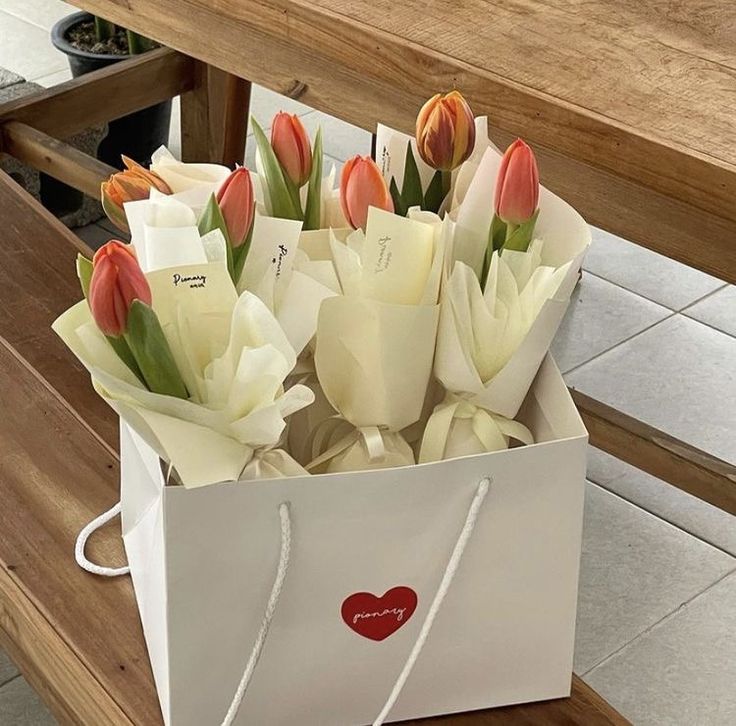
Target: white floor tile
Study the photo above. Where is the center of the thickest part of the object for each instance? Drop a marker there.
(26, 49)
(686, 512)
(43, 13)
(7, 668)
(601, 315)
(717, 310)
(635, 570)
(53, 79)
(647, 273)
(341, 140)
(21, 706)
(679, 376)
(682, 672)
(265, 104)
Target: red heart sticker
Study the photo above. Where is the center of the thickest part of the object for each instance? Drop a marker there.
(378, 617)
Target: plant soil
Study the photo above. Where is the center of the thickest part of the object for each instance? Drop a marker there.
(82, 36)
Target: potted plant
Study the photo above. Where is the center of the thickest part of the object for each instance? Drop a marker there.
(91, 43)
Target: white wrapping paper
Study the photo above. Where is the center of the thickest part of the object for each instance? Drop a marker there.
(233, 357)
(374, 344)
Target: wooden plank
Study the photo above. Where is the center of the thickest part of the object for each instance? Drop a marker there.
(651, 188)
(57, 159)
(214, 117)
(76, 636)
(682, 465)
(104, 95)
(37, 283)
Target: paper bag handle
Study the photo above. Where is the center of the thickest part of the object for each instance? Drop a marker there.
(434, 608)
(81, 543)
(281, 570)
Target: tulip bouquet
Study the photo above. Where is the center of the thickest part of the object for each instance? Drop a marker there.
(413, 303)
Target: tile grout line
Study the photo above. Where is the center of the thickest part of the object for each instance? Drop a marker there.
(673, 313)
(9, 681)
(655, 514)
(669, 616)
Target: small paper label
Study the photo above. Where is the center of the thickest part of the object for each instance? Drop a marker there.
(376, 617)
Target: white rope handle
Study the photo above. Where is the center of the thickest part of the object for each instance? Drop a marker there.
(434, 608)
(81, 543)
(273, 600)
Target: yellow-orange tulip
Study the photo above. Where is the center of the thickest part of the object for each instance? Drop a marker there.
(362, 186)
(129, 185)
(445, 131)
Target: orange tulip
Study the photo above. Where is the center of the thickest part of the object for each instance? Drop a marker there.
(362, 186)
(129, 185)
(517, 185)
(236, 201)
(445, 131)
(116, 281)
(292, 148)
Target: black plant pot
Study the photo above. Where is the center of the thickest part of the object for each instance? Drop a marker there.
(136, 135)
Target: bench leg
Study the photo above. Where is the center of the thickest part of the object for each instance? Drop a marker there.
(214, 117)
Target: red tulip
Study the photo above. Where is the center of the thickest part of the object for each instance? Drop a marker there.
(117, 280)
(236, 201)
(361, 186)
(291, 145)
(517, 185)
(445, 131)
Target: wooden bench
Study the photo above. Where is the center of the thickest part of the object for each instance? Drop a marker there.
(77, 638)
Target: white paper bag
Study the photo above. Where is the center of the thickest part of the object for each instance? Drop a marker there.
(369, 551)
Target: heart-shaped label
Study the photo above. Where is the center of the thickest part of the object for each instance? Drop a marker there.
(378, 617)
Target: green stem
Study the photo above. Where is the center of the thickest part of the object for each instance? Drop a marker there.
(104, 29)
(137, 44)
(446, 184)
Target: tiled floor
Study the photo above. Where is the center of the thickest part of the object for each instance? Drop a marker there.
(657, 611)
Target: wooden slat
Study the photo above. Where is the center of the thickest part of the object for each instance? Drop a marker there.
(105, 94)
(652, 188)
(37, 283)
(692, 470)
(214, 117)
(56, 158)
(77, 637)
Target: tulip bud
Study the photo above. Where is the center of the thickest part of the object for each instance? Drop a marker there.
(291, 145)
(236, 201)
(361, 186)
(445, 131)
(129, 185)
(517, 185)
(117, 280)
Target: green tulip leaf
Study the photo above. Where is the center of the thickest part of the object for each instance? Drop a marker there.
(314, 192)
(149, 347)
(399, 206)
(434, 197)
(411, 189)
(283, 204)
(212, 219)
(240, 254)
(84, 273)
(520, 238)
(498, 233)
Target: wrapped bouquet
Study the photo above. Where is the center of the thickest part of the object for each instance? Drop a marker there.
(414, 302)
